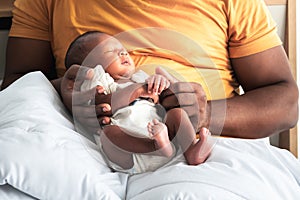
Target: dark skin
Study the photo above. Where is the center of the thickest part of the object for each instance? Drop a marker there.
(39, 57)
(269, 105)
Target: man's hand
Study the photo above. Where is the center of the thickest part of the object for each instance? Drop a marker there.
(189, 96)
(82, 103)
(124, 96)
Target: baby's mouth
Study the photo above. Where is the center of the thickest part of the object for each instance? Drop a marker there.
(125, 62)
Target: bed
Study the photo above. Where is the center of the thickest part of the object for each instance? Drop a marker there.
(42, 156)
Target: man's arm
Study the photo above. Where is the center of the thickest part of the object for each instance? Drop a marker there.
(269, 105)
(270, 102)
(25, 55)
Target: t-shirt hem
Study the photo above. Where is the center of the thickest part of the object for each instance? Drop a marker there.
(24, 33)
(253, 48)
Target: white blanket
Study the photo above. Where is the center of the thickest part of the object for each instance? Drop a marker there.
(43, 157)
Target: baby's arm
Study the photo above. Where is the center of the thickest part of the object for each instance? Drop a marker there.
(124, 96)
(157, 83)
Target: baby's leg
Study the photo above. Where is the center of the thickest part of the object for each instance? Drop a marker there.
(119, 146)
(115, 154)
(195, 151)
(199, 150)
(159, 133)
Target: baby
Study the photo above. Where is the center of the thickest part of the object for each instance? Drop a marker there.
(137, 140)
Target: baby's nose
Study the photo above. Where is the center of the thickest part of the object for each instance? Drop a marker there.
(123, 53)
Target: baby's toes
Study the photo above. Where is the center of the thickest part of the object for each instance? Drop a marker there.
(149, 127)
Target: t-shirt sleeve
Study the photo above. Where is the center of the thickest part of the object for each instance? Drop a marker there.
(30, 19)
(251, 28)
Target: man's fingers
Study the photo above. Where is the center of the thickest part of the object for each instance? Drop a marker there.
(83, 73)
(91, 96)
(84, 97)
(92, 110)
(188, 96)
(104, 120)
(103, 109)
(182, 87)
(75, 76)
(72, 72)
(87, 111)
(178, 88)
(88, 115)
(180, 93)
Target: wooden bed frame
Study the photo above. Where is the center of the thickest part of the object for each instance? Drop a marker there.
(288, 139)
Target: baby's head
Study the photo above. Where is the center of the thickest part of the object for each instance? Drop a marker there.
(96, 48)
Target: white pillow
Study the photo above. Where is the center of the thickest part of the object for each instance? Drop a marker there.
(42, 155)
(7, 192)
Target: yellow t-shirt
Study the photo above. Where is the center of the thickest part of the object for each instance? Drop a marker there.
(192, 39)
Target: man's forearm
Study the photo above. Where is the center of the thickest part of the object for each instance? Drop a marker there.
(9, 80)
(256, 114)
(56, 84)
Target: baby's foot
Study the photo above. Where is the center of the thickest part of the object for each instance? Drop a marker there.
(199, 151)
(159, 133)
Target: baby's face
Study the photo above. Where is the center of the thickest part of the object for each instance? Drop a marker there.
(115, 59)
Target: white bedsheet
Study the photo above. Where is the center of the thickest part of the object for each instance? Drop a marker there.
(236, 169)
(41, 156)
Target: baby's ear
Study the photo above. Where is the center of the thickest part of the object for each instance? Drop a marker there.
(163, 72)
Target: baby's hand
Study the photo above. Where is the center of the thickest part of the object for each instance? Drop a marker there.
(157, 83)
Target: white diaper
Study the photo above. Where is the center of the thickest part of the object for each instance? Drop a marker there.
(134, 119)
(141, 162)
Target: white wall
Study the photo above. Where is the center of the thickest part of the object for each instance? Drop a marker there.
(279, 15)
(298, 62)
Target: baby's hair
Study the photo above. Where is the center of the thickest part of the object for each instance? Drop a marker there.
(78, 49)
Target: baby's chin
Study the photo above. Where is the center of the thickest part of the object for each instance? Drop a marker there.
(128, 74)
(123, 77)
